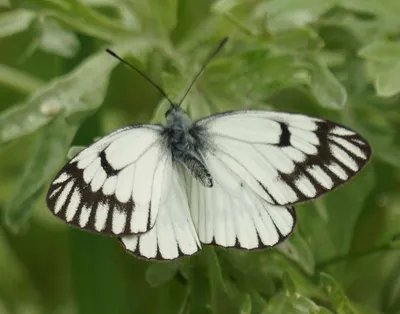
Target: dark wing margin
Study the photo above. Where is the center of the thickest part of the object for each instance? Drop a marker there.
(74, 201)
(261, 243)
(341, 154)
(96, 190)
(291, 157)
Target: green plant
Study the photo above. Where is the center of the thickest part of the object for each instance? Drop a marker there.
(336, 59)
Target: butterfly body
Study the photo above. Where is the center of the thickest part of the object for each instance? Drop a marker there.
(178, 133)
(186, 141)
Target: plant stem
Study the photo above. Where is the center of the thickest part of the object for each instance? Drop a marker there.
(18, 80)
(355, 255)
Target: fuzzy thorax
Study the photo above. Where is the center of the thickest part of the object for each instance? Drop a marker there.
(179, 124)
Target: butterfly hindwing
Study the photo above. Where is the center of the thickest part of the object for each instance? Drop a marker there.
(113, 186)
(286, 158)
(231, 214)
(173, 234)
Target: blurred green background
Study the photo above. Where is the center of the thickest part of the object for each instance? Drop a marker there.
(335, 59)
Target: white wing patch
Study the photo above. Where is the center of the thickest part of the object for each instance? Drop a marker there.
(173, 234)
(266, 131)
(285, 158)
(113, 186)
(231, 214)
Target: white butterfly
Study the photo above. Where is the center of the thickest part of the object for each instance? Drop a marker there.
(229, 180)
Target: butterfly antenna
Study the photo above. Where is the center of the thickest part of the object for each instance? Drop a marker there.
(142, 74)
(212, 55)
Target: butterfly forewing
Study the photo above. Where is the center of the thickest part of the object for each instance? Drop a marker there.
(285, 158)
(113, 186)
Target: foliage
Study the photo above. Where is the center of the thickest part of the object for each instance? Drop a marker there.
(336, 59)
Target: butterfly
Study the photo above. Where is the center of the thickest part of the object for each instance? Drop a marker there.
(229, 179)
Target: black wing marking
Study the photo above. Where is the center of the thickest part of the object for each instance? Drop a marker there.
(173, 234)
(108, 189)
(292, 158)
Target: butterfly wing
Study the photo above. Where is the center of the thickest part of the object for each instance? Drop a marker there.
(113, 186)
(173, 234)
(285, 158)
(231, 214)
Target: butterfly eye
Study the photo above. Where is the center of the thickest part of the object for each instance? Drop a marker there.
(174, 108)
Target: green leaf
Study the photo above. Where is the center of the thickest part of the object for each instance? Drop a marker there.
(215, 270)
(224, 6)
(326, 89)
(157, 23)
(381, 52)
(200, 286)
(288, 284)
(50, 152)
(246, 80)
(74, 150)
(84, 19)
(98, 282)
(298, 40)
(169, 13)
(297, 249)
(283, 304)
(16, 21)
(18, 80)
(247, 271)
(285, 14)
(22, 120)
(56, 39)
(371, 6)
(327, 239)
(395, 244)
(279, 304)
(303, 304)
(246, 306)
(12, 270)
(158, 273)
(384, 147)
(5, 3)
(387, 82)
(365, 309)
(336, 294)
(77, 94)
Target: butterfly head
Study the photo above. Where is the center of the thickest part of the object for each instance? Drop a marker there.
(171, 110)
(176, 117)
